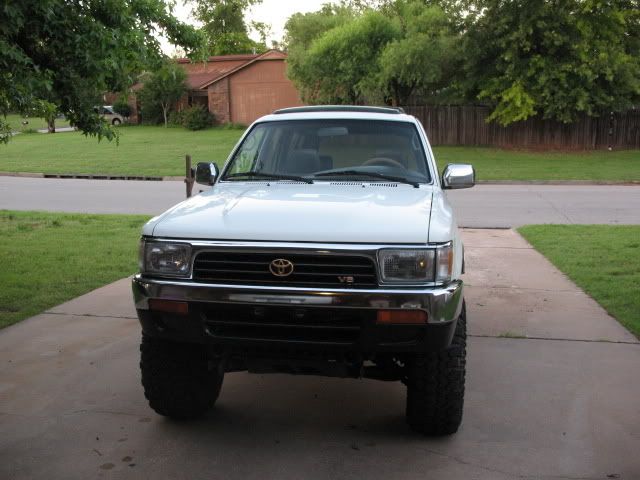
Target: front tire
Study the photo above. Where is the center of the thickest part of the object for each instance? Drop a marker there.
(180, 381)
(115, 122)
(435, 386)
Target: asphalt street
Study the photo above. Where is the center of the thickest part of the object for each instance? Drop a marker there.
(559, 402)
(482, 206)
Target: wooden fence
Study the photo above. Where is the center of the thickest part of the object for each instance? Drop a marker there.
(467, 125)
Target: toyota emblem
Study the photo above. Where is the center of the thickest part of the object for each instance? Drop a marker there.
(281, 267)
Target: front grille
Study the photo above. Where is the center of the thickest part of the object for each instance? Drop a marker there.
(309, 270)
(285, 324)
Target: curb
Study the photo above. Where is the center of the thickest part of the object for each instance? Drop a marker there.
(144, 178)
(557, 182)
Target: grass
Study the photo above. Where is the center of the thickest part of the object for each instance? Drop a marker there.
(496, 164)
(157, 151)
(34, 123)
(142, 150)
(603, 260)
(51, 258)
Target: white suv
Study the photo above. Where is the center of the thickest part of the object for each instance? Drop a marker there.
(326, 246)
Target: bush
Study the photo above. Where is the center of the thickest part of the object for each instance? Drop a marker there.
(176, 119)
(150, 114)
(197, 118)
(121, 107)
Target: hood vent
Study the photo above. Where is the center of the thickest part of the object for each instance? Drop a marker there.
(391, 185)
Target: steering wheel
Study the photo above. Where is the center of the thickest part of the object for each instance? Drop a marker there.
(383, 161)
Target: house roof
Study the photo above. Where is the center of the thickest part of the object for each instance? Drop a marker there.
(224, 58)
(201, 80)
(195, 80)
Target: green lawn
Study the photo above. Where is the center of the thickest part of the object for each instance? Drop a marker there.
(34, 123)
(49, 258)
(603, 260)
(156, 151)
(153, 151)
(496, 164)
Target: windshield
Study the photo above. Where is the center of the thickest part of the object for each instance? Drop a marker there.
(321, 149)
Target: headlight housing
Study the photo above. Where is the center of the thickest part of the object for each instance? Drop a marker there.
(416, 265)
(165, 258)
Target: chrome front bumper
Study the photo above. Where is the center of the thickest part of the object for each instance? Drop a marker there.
(442, 304)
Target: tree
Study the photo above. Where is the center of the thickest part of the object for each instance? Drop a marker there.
(556, 58)
(70, 52)
(425, 59)
(48, 111)
(339, 65)
(301, 30)
(353, 53)
(225, 28)
(163, 88)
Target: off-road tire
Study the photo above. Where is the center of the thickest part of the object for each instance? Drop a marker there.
(180, 381)
(435, 386)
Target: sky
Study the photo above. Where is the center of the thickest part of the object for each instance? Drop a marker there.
(271, 12)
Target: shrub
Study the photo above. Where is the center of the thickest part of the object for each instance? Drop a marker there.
(121, 107)
(197, 118)
(176, 119)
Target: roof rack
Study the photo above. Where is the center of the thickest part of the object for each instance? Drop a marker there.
(340, 108)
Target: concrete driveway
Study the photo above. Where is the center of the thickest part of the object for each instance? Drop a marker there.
(562, 404)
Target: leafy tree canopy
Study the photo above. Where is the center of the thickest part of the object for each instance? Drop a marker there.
(340, 65)
(69, 53)
(556, 58)
(225, 28)
(354, 53)
(424, 60)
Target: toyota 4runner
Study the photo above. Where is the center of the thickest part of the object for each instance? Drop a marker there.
(325, 246)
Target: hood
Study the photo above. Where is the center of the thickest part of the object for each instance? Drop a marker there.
(339, 212)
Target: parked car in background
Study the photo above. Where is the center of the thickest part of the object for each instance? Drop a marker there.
(112, 117)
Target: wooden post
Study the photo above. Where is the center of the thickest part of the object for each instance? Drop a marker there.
(189, 175)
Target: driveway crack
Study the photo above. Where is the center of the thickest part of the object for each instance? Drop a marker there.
(556, 339)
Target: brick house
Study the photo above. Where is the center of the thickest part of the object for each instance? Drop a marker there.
(240, 88)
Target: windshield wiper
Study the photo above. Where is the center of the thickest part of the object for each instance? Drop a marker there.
(351, 173)
(272, 176)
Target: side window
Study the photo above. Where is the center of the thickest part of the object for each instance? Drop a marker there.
(248, 153)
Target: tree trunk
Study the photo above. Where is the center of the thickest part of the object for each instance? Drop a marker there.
(51, 125)
(164, 114)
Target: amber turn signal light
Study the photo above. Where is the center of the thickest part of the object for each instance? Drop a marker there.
(402, 317)
(168, 306)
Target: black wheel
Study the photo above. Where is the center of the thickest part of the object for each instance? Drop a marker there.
(115, 122)
(180, 380)
(435, 386)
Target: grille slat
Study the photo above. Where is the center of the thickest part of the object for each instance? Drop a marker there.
(273, 323)
(324, 271)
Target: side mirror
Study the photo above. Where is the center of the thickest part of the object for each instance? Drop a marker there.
(206, 173)
(458, 175)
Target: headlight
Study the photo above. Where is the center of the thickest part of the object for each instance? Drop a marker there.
(416, 265)
(165, 258)
(407, 265)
